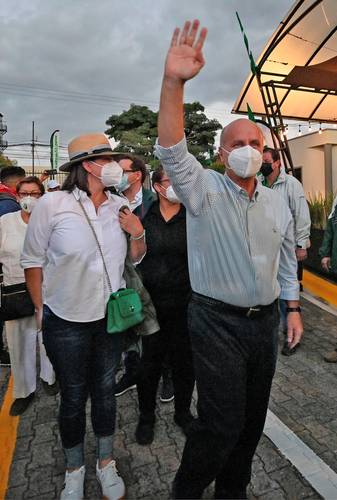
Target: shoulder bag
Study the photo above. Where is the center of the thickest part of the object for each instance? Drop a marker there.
(124, 308)
(15, 302)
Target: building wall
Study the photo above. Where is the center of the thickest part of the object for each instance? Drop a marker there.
(308, 154)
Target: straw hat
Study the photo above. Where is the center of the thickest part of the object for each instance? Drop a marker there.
(85, 147)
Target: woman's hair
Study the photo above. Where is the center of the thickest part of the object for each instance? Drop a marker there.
(32, 179)
(77, 177)
(157, 175)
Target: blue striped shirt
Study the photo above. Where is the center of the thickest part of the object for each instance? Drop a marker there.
(240, 251)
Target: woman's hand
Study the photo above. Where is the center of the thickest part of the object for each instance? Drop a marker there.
(130, 223)
(326, 263)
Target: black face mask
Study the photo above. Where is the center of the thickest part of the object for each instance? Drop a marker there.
(266, 169)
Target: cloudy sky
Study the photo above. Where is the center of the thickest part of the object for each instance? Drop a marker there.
(70, 64)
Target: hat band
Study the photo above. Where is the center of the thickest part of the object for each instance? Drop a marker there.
(96, 150)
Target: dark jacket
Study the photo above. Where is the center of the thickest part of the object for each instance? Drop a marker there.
(8, 204)
(148, 198)
(329, 244)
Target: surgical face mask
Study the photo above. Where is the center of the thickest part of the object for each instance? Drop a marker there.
(171, 195)
(245, 162)
(123, 184)
(266, 169)
(27, 203)
(111, 173)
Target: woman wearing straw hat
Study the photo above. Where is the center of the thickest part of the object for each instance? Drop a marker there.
(77, 241)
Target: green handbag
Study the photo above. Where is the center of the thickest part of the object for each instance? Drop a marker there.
(124, 310)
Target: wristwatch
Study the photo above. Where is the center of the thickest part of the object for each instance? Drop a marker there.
(293, 309)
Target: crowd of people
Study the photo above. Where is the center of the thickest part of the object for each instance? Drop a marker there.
(216, 261)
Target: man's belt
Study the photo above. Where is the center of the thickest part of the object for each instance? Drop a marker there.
(248, 312)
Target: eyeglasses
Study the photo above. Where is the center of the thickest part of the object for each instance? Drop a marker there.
(164, 180)
(130, 170)
(35, 194)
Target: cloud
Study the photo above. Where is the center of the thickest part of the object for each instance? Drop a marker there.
(116, 48)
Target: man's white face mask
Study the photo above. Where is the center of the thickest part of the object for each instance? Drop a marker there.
(245, 162)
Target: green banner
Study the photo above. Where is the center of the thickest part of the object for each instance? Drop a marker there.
(54, 149)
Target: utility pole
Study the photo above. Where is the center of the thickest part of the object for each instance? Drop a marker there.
(33, 149)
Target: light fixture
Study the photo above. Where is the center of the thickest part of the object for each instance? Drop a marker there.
(299, 130)
(309, 127)
(320, 128)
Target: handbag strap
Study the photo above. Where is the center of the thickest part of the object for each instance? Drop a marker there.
(98, 245)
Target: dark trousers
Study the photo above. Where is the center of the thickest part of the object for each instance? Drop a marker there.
(234, 361)
(84, 357)
(172, 344)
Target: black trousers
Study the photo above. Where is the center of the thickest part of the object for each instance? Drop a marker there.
(234, 361)
(172, 344)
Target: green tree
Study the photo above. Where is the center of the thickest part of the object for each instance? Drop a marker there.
(135, 130)
(200, 132)
(5, 162)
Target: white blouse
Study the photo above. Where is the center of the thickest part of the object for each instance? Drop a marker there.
(12, 234)
(60, 240)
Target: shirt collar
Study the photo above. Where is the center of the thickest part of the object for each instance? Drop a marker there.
(240, 190)
(79, 194)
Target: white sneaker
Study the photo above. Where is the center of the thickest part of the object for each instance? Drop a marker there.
(113, 487)
(73, 485)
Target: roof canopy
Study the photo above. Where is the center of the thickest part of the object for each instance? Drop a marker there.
(301, 60)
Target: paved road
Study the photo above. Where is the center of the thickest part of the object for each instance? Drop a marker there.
(303, 397)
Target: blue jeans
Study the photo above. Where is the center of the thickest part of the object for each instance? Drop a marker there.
(84, 357)
(234, 361)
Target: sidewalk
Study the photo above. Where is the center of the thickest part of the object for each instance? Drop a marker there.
(303, 397)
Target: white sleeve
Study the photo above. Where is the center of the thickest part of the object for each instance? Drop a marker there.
(38, 234)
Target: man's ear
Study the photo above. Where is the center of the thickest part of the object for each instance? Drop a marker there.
(222, 155)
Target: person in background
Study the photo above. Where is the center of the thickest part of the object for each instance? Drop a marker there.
(328, 254)
(9, 177)
(23, 334)
(273, 175)
(164, 271)
(61, 247)
(241, 257)
(53, 185)
(140, 201)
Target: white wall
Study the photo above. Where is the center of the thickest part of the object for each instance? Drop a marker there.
(308, 153)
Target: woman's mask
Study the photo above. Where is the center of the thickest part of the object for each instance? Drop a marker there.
(27, 203)
(111, 173)
(171, 195)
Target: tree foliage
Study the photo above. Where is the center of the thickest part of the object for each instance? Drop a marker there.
(135, 130)
(5, 162)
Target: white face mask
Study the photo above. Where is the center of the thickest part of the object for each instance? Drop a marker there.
(27, 203)
(245, 162)
(111, 173)
(171, 195)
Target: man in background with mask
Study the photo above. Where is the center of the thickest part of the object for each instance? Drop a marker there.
(241, 258)
(273, 175)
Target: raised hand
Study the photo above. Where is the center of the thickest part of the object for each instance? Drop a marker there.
(185, 59)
